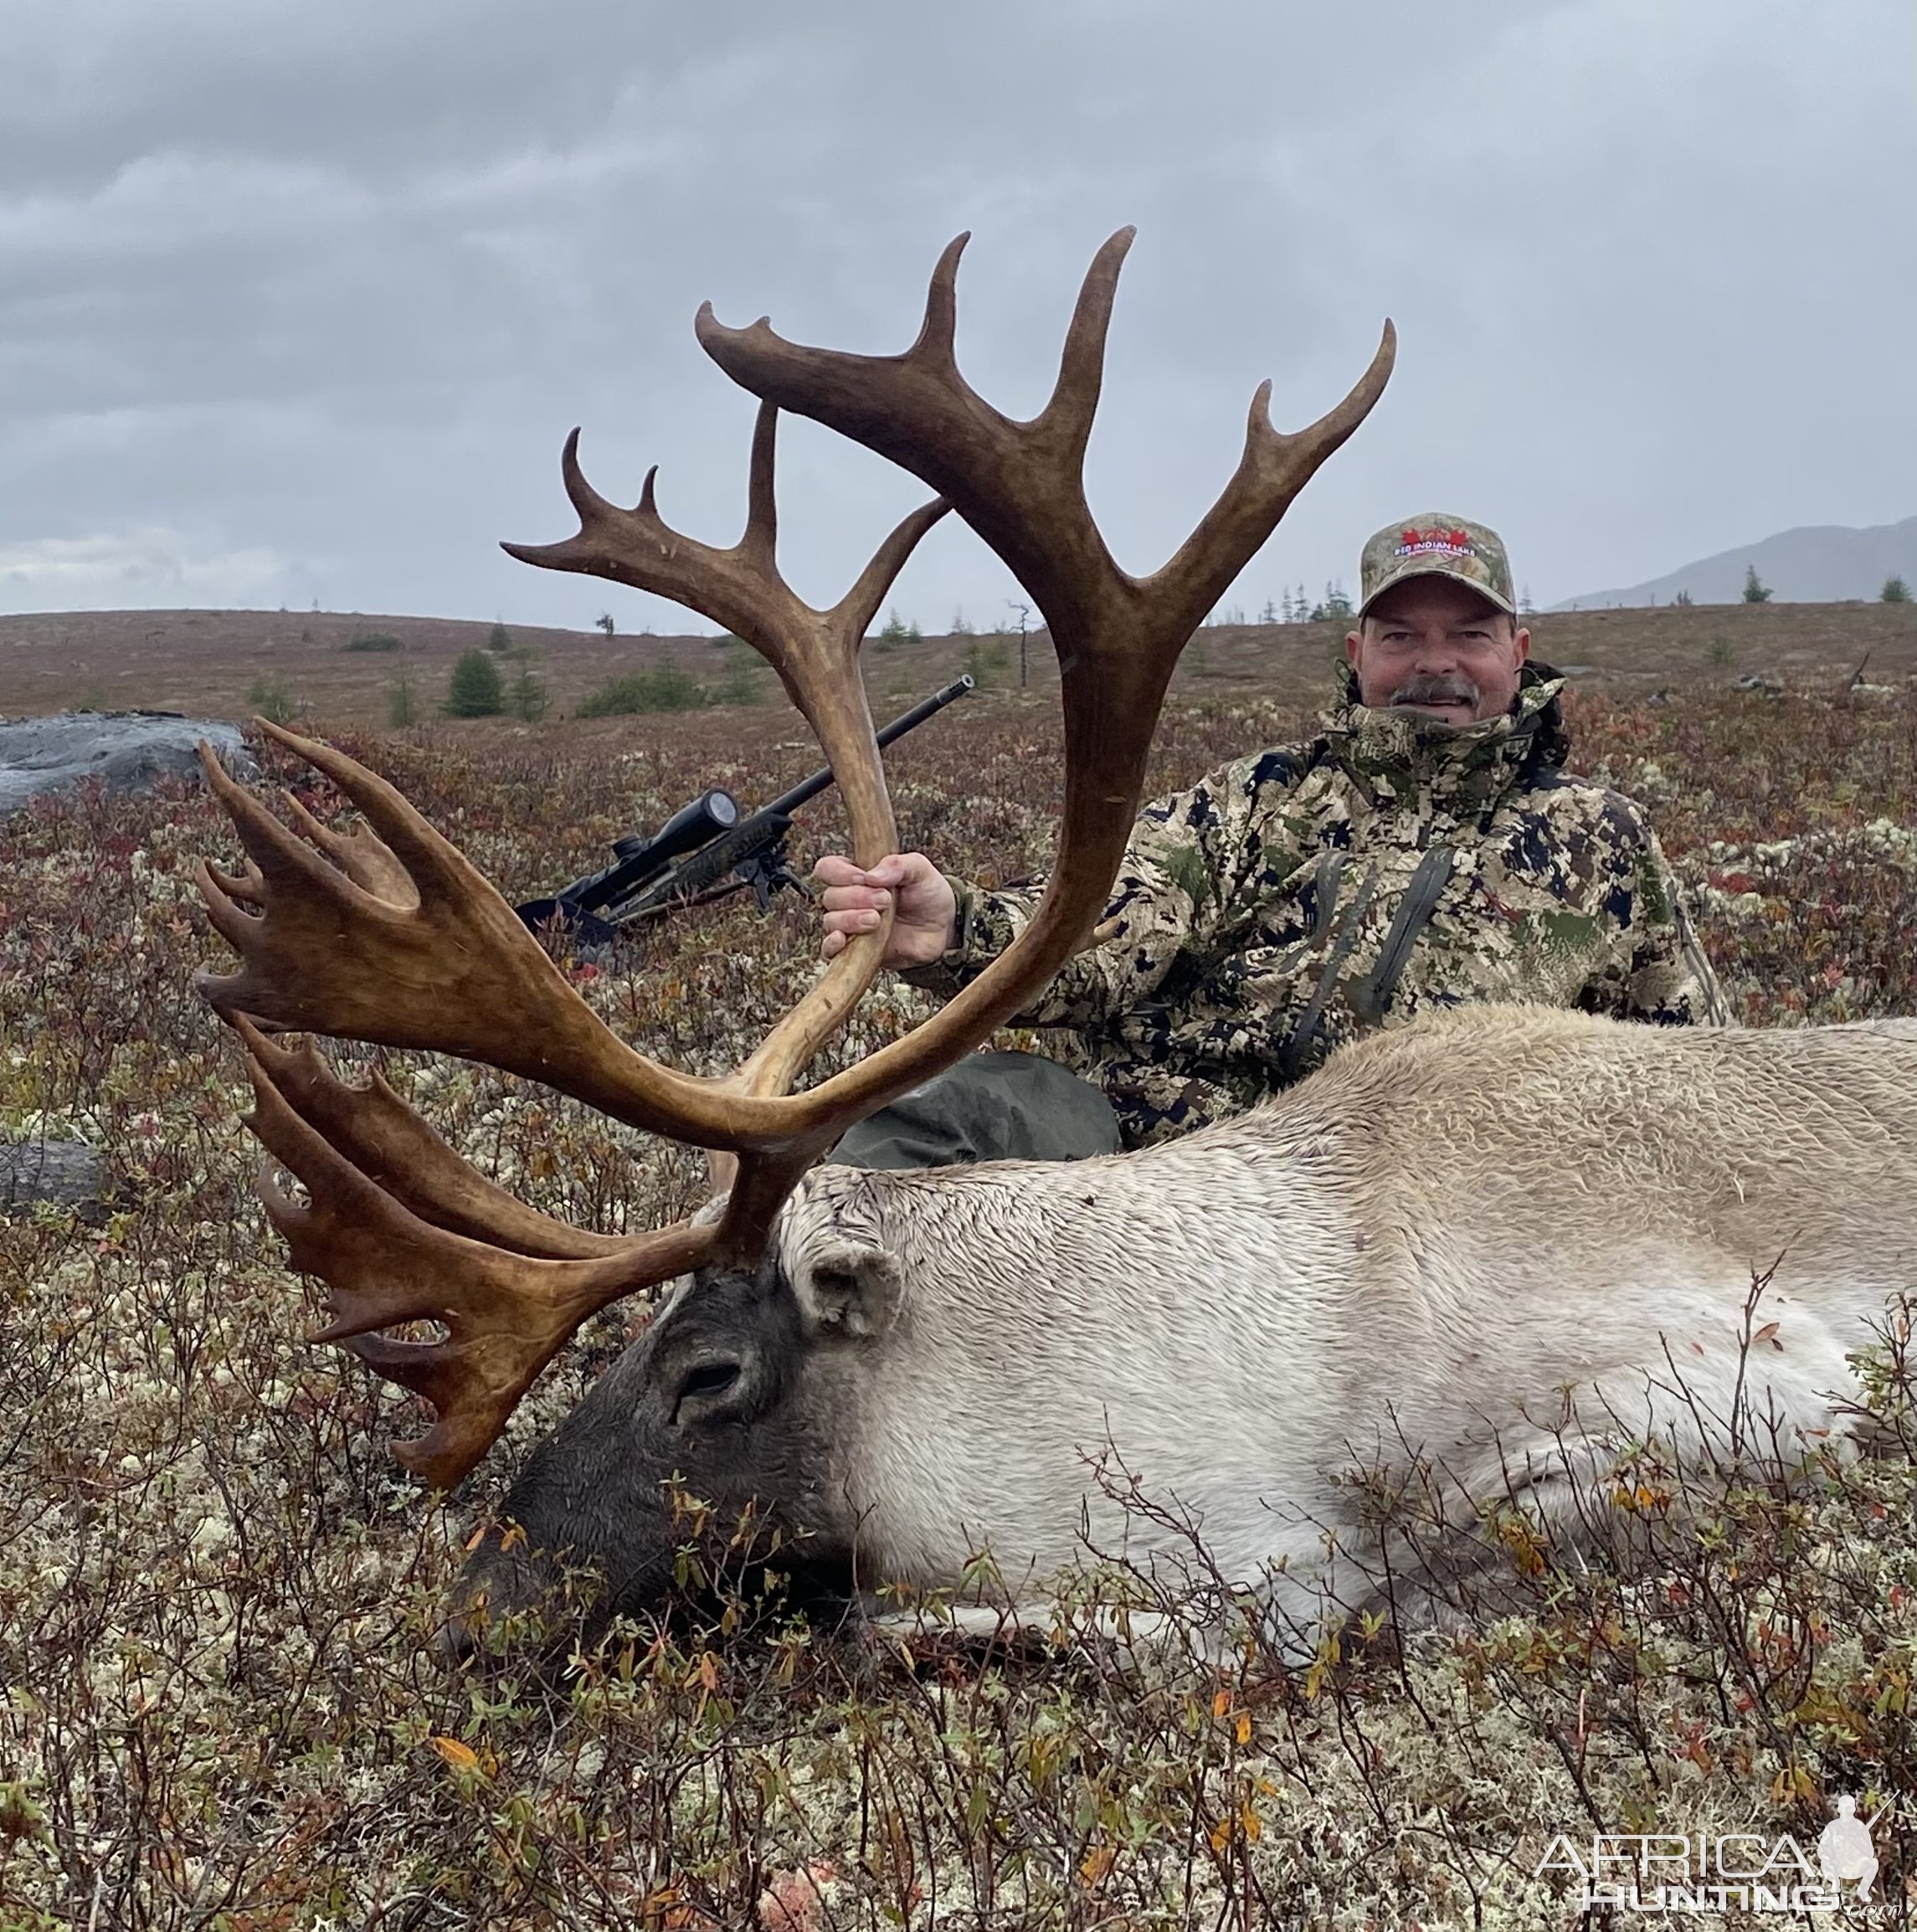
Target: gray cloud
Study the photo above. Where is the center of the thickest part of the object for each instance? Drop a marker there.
(299, 302)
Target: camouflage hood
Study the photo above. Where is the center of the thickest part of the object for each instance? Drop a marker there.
(1402, 757)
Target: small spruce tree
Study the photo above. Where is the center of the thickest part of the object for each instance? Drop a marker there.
(499, 640)
(527, 698)
(475, 690)
(1895, 590)
(1755, 590)
(402, 704)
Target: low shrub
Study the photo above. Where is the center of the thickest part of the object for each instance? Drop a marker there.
(271, 699)
(987, 660)
(743, 683)
(373, 640)
(665, 686)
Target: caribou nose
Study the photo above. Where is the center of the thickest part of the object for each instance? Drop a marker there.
(503, 1595)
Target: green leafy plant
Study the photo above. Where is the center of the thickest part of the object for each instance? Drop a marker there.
(475, 690)
(667, 686)
(271, 699)
(987, 660)
(744, 682)
(895, 631)
(373, 640)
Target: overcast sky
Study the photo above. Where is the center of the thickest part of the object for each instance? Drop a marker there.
(298, 301)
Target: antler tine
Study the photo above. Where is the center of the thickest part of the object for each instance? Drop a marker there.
(1074, 399)
(371, 1128)
(851, 616)
(506, 1315)
(1273, 469)
(760, 541)
(938, 342)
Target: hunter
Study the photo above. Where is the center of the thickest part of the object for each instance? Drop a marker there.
(1427, 849)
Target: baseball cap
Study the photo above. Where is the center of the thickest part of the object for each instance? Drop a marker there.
(1437, 544)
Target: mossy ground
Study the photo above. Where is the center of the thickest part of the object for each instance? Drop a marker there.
(220, 1706)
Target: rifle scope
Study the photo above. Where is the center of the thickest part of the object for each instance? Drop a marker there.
(714, 810)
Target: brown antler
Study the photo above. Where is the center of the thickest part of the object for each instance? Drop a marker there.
(398, 940)
(1021, 486)
(389, 935)
(401, 942)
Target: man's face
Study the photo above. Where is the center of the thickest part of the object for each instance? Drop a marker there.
(1433, 645)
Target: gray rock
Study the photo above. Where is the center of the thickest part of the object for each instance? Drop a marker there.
(66, 1171)
(126, 751)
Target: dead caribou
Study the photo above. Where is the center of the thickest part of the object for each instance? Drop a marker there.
(1425, 1246)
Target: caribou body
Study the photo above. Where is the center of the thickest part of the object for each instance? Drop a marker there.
(1475, 1240)
(1507, 1241)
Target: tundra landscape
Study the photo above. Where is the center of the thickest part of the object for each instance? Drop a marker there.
(223, 1704)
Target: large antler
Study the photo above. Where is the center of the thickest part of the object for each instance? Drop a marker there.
(389, 935)
(398, 940)
(1021, 486)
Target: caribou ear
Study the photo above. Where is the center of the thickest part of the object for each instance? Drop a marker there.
(848, 1287)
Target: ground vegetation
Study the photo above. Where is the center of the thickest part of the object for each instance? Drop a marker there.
(220, 1703)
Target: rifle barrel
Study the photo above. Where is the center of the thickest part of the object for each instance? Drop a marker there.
(810, 788)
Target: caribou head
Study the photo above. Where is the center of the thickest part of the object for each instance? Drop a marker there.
(389, 936)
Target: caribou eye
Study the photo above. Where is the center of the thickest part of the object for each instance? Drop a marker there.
(708, 1379)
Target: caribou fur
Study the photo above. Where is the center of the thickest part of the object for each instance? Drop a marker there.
(1507, 1241)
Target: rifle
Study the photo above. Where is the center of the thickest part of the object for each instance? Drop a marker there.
(686, 861)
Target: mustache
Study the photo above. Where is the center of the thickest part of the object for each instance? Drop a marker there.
(1432, 690)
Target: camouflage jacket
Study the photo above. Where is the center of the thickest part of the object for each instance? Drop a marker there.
(1301, 896)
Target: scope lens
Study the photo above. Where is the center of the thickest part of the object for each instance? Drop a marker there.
(723, 808)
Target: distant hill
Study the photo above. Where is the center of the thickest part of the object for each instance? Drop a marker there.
(230, 663)
(1821, 564)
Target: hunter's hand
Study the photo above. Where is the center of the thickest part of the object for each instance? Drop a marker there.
(925, 909)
